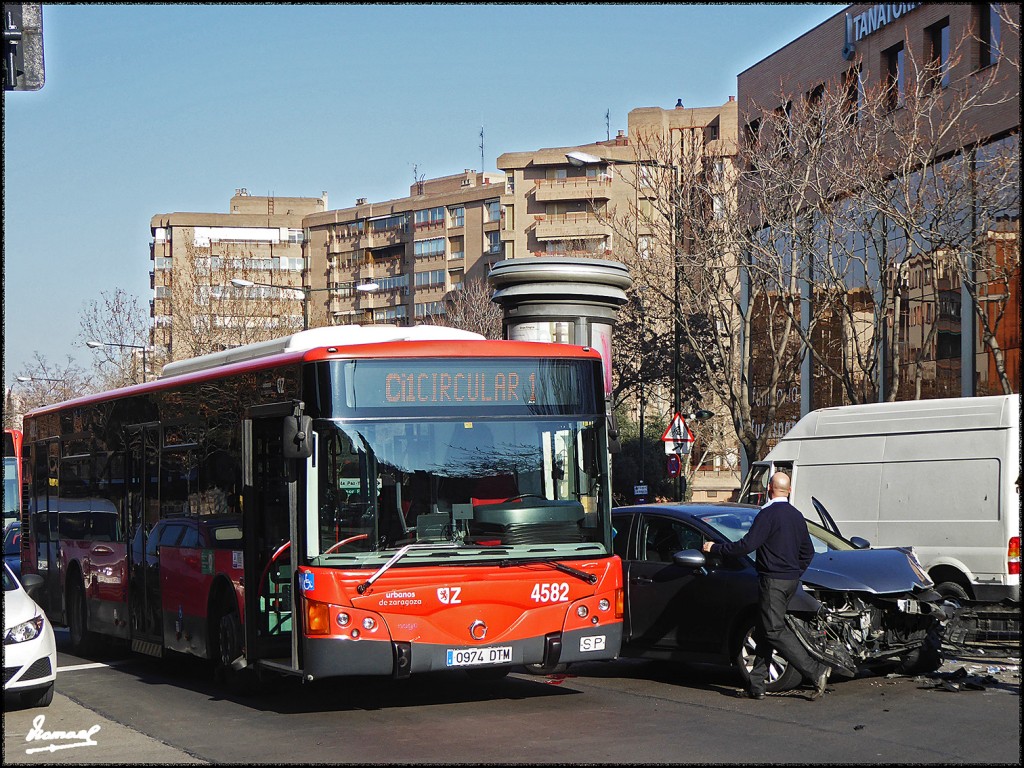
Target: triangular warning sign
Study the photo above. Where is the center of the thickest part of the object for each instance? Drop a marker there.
(677, 431)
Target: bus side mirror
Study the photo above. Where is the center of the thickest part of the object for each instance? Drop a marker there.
(297, 441)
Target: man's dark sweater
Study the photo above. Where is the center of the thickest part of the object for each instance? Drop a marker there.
(779, 534)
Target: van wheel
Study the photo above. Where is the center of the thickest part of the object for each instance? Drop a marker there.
(781, 676)
(953, 590)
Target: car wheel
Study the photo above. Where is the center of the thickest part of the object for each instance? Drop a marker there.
(546, 669)
(953, 590)
(924, 659)
(488, 673)
(78, 620)
(781, 677)
(41, 697)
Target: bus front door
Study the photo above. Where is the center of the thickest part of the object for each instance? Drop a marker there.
(269, 511)
(143, 472)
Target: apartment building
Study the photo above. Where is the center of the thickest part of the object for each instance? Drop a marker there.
(560, 200)
(915, 55)
(195, 307)
(396, 261)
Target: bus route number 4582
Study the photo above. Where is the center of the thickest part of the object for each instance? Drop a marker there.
(464, 657)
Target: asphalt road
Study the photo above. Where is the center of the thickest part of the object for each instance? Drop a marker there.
(150, 711)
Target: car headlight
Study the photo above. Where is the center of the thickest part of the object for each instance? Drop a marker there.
(28, 630)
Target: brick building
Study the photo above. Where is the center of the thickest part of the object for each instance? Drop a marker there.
(940, 49)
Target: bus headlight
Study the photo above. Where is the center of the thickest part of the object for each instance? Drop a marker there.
(343, 619)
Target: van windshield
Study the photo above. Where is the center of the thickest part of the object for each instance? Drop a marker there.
(755, 490)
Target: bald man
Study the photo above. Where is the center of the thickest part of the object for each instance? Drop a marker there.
(784, 550)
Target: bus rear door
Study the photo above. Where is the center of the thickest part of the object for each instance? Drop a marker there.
(269, 528)
(143, 513)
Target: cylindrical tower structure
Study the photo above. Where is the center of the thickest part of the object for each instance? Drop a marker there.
(563, 299)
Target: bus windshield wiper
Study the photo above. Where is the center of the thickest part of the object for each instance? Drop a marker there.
(398, 556)
(590, 578)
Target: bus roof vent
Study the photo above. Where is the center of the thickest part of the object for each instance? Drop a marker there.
(332, 336)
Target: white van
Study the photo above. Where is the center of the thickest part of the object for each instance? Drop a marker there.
(941, 476)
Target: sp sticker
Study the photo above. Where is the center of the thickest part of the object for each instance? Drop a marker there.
(449, 595)
(593, 643)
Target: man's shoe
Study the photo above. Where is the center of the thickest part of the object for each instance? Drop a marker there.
(749, 695)
(820, 683)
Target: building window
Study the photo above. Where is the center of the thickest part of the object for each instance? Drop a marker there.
(493, 242)
(989, 33)
(510, 183)
(939, 65)
(397, 223)
(426, 248)
(457, 215)
(854, 94)
(431, 217)
(894, 75)
(432, 279)
(492, 211)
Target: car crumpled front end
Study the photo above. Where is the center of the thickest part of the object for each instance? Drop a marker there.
(874, 607)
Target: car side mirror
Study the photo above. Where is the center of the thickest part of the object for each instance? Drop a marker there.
(860, 543)
(691, 558)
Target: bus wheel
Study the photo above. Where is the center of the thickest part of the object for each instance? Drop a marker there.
(78, 620)
(241, 680)
(229, 638)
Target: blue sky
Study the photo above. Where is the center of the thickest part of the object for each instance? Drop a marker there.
(153, 109)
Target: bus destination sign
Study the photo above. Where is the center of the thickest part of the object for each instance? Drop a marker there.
(459, 383)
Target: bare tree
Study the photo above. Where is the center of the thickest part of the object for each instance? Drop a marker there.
(471, 309)
(119, 325)
(211, 314)
(41, 383)
(688, 247)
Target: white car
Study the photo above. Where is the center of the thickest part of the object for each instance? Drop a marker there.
(30, 650)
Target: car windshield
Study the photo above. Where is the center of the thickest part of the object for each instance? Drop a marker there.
(10, 583)
(733, 524)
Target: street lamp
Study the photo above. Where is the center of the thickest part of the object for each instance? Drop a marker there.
(38, 378)
(143, 347)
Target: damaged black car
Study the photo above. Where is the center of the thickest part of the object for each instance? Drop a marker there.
(860, 609)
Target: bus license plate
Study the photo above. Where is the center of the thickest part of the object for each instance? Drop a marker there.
(466, 657)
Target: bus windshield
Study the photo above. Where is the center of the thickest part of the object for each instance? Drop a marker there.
(492, 487)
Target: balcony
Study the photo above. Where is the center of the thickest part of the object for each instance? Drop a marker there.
(555, 190)
(567, 226)
(384, 238)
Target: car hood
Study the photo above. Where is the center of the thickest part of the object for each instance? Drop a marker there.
(18, 608)
(878, 571)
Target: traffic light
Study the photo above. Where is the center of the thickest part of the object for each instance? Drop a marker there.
(23, 46)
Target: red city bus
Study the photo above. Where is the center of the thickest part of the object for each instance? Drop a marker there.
(12, 475)
(343, 501)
